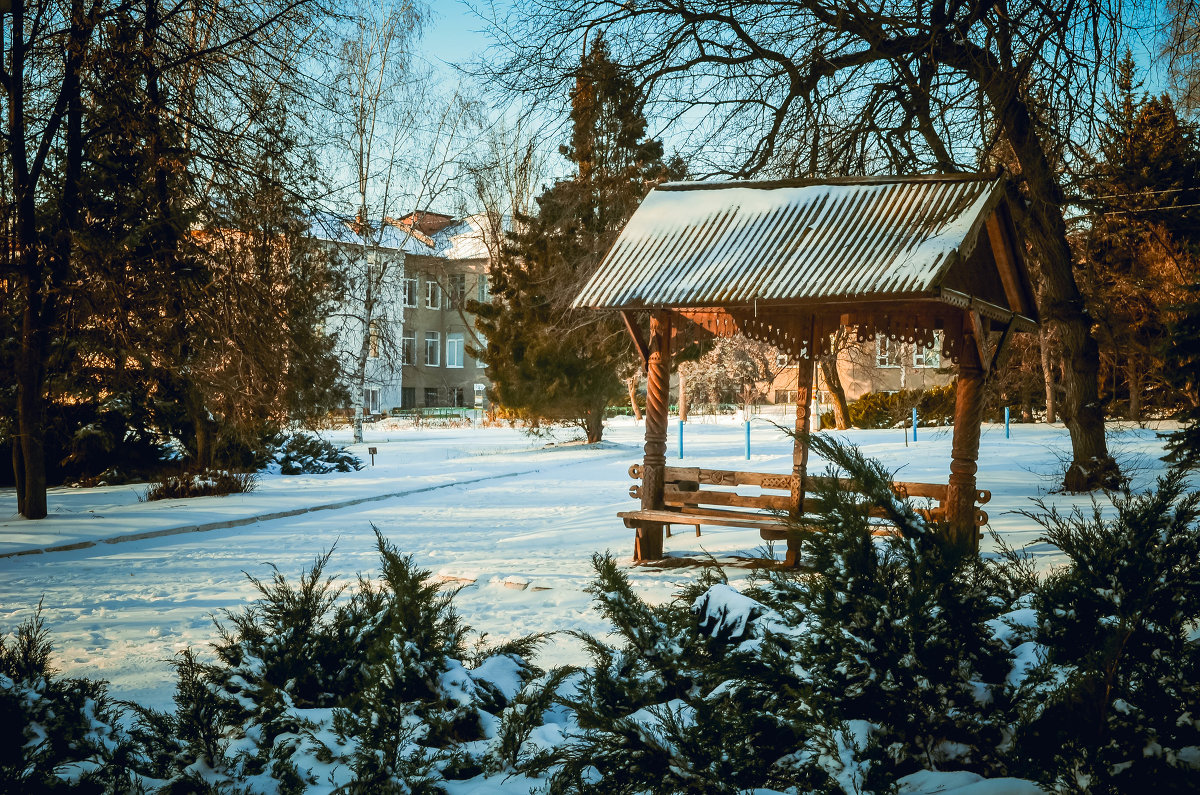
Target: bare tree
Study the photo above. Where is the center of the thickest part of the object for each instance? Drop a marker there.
(1181, 48)
(47, 47)
(804, 87)
(828, 365)
(371, 108)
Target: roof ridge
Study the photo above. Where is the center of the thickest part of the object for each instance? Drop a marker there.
(771, 184)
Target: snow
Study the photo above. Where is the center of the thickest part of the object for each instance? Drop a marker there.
(724, 612)
(485, 509)
(960, 782)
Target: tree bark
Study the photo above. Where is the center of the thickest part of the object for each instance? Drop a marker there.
(37, 284)
(1134, 377)
(1062, 304)
(681, 370)
(833, 382)
(631, 382)
(1047, 373)
(594, 425)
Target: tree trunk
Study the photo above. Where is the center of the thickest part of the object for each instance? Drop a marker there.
(18, 464)
(594, 425)
(358, 391)
(1134, 377)
(833, 382)
(1062, 304)
(682, 392)
(1047, 373)
(631, 382)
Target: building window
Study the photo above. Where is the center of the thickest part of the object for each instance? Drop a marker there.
(929, 357)
(408, 291)
(431, 397)
(458, 396)
(373, 339)
(408, 397)
(433, 294)
(887, 352)
(371, 401)
(458, 289)
(454, 350)
(784, 396)
(408, 348)
(433, 349)
(482, 287)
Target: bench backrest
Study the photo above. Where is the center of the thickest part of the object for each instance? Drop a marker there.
(682, 488)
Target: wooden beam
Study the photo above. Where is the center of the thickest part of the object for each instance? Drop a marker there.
(1002, 348)
(979, 334)
(636, 335)
(649, 542)
(961, 491)
(1006, 264)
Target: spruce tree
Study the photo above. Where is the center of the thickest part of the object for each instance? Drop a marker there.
(1133, 267)
(545, 360)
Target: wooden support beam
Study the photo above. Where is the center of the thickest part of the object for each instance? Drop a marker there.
(649, 542)
(636, 335)
(1006, 265)
(968, 413)
(804, 382)
(1002, 349)
(979, 333)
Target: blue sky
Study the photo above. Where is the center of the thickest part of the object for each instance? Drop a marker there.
(454, 34)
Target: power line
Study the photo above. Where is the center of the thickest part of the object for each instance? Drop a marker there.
(1153, 209)
(1145, 193)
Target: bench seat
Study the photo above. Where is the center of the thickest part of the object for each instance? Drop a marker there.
(686, 503)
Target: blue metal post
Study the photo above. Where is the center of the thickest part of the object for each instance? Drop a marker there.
(681, 440)
(747, 440)
(1006, 436)
(914, 423)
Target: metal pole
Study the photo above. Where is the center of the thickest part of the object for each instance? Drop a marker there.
(914, 423)
(681, 440)
(1006, 434)
(747, 440)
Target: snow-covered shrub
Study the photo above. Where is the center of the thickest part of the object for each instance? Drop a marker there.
(211, 483)
(309, 454)
(372, 692)
(902, 670)
(57, 734)
(673, 709)
(1110, 685)
(878, 665)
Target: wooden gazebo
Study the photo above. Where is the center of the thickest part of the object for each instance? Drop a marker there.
(788, 262)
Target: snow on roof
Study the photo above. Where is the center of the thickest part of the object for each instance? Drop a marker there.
(705, 244)
(466, 238)
(383, 235)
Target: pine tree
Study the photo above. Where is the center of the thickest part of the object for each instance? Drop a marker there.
(1133, 266)
(545, 360)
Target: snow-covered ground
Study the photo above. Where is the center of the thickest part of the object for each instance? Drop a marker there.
(512, 519)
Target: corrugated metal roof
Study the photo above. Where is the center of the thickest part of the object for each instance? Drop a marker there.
(722, 244)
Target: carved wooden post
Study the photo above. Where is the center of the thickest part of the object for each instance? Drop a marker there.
(968, 411)
(804, 381)
(649, 542)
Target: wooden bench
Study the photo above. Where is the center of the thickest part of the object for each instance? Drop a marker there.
(686, 503)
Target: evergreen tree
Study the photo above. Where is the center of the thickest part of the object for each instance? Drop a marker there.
(1134, 266)
(546, 360)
